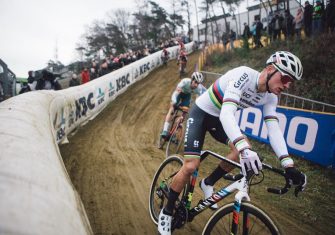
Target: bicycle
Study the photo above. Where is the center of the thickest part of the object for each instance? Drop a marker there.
(176, 132)
(227, 219)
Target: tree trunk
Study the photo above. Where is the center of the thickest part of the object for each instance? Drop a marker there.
(196, 15)
(206, 25)
(216, 25)
(224, 17)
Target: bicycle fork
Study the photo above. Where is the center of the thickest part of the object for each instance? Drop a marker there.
(236, 213)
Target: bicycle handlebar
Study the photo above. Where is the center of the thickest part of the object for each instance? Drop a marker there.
(282, 190)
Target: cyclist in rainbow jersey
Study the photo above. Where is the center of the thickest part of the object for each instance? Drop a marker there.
(214, 111)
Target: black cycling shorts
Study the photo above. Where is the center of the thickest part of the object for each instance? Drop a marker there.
(198, 123)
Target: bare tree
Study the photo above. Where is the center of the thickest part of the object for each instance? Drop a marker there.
(186, 4)
(211, 3)
(175, 16)
(196, 14)
(224, 16)
(120, 18)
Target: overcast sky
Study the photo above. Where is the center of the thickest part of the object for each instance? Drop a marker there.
(31, 29)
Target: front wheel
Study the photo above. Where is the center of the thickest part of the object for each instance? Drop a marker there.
(252, 220)
(160, 185)
(175, 141)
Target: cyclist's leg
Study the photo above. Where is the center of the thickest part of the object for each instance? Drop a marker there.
(194, 139)
(216, 130)
(168, 117)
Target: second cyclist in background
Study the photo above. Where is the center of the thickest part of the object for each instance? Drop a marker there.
(182, 96)
(165, 56)
(182, 62)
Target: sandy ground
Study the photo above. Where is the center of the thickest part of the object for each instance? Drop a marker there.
(112, 160)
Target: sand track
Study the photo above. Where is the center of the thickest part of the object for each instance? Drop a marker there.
(112, 160)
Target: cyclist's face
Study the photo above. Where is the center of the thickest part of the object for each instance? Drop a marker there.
(279, 82)
(194, 84)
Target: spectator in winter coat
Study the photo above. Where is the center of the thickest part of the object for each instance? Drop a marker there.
(288, 29)
(259, 28)
(74, 80)
(298, 21)
(308, 17)
(31, 76)
(318, 11)
(85, 76)
(246, 35)
(225, 40)
(330, 16)
(277, 25)
(48, 82)
(232, 38)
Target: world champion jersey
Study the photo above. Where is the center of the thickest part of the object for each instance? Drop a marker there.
(238, 89)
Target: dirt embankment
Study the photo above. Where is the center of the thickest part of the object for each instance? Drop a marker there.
(112, 160)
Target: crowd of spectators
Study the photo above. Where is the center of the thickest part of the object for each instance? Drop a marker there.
(114, 62)
(314, 20)
(95, 68)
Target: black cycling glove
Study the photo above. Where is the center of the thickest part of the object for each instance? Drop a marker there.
(297, 178)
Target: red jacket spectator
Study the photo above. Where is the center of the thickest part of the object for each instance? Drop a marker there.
(85, 76)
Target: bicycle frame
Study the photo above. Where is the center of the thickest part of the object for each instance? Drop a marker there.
(240, 185)
(178, 120)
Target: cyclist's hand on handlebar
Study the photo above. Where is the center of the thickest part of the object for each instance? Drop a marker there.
(250, 161)
(296, 178)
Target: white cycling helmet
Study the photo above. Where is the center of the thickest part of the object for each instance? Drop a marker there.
(287, 64)
(198, 77)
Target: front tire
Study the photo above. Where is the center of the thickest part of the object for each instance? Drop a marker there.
(160, 185)
(258, 221)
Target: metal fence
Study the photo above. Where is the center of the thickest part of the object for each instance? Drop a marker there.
(285, 99)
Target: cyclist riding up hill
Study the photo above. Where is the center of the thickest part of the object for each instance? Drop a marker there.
(182, 96)
(215, 110)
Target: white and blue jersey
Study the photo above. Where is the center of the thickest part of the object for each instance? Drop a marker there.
(183, 98)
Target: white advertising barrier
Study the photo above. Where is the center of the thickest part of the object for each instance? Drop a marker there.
(36, 194)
